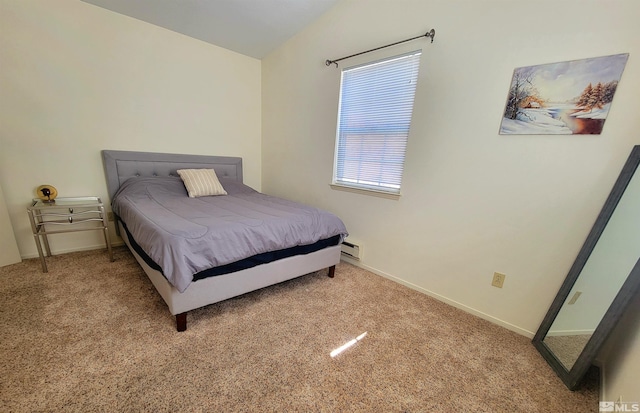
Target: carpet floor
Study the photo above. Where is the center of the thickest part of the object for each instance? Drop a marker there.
(94, 336)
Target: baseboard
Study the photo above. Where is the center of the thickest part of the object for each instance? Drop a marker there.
(444, 299)
(570, 333)
(68, 250)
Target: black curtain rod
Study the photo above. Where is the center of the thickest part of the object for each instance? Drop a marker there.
(431, 33)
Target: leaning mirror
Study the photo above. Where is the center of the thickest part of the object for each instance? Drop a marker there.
(599, 285)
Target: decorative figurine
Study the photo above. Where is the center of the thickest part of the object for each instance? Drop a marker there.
(47, 193)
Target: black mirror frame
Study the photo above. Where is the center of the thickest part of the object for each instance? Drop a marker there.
(573, 377)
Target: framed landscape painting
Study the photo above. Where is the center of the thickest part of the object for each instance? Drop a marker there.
(566, 98)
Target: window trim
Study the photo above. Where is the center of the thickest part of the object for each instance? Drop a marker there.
(365, 191)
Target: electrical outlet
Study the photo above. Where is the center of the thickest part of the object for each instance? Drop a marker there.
(574, 298)
(110, 216)
(498, 279)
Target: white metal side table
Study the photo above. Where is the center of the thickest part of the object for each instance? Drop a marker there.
(66, 215)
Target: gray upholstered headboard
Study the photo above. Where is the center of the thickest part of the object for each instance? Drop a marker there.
(122, 165)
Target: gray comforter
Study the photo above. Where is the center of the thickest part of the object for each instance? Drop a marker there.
(188, 235)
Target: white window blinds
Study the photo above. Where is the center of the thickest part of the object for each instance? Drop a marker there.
(376, 103)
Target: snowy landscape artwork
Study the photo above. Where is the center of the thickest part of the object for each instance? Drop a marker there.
(566, 98)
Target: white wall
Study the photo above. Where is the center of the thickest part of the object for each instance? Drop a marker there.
(9, 253)
(77, 78)
(473, 201)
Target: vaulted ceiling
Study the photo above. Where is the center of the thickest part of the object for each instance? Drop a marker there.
(250, 27)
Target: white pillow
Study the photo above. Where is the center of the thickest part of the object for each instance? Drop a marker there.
(201, 182)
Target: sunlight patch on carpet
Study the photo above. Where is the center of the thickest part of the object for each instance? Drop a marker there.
(347, 345)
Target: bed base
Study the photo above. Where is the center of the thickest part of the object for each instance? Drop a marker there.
(222, 287)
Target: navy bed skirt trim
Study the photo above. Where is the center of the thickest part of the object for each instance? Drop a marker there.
(250, 262)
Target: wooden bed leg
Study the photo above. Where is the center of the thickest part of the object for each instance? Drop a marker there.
(181, 322)
(332, 271)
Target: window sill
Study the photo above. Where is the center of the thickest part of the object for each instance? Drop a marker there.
(362, 191)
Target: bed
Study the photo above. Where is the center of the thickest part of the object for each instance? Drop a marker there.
(195, 259)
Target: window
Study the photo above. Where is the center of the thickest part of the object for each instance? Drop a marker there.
(374, 115)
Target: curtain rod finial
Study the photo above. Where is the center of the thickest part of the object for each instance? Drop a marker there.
(431, 33)
(330, 62)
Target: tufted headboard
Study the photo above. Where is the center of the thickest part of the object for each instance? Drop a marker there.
(122, 165)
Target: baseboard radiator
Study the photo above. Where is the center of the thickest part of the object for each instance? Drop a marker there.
(351, 250)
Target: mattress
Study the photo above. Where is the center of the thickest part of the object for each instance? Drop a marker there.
(245, 263)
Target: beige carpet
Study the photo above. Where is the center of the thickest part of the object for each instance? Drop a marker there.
(91, 335)
(567, 348)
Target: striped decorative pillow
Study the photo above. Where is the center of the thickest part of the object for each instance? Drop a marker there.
(201, 182)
